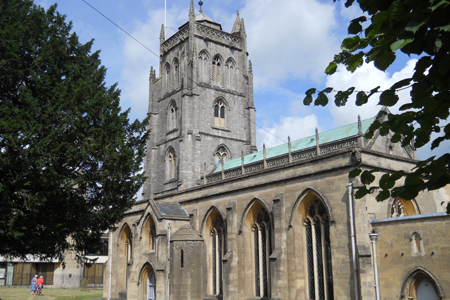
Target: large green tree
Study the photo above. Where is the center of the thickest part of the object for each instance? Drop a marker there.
(69, 156)
(414, 27)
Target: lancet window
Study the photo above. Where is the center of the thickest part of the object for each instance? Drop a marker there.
(151, 286)
(172, 117)
(167, 77)
(219, 114)
(203, 66)
(262, 235)
(129, 246)
(218, 248)
(318, 252)
(216, 69)
(171, 163)
(175, 78)
(229, 69)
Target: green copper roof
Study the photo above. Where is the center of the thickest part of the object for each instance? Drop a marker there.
(304, 143)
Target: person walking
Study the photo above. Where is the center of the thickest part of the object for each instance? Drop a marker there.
(40, 285)
(33, 285)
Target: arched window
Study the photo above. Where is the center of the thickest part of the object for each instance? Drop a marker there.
(416, 244)
(401, 208)
(171, 164)
(218, 248)
(149, 234)
(216, 69)
(420, 284)
(262, 235)
(172, 117)
(175, 79)
(167, 81)
(203, 66)
(219, 114)
(229, 70)
(147, 286)
(318, 252)
(151, 286)
(129, 247)
(221, 154)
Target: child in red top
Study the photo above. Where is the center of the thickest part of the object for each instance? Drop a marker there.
(39, 285)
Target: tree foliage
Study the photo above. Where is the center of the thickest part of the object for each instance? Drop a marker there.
(69, 157)
(412, 27)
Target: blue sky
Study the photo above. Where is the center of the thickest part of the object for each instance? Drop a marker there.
(290, 43)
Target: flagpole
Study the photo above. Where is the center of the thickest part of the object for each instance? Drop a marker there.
(165, 28)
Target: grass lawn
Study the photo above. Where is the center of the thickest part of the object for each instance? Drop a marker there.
(22, 293)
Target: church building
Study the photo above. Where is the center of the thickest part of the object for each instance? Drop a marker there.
(221, 220)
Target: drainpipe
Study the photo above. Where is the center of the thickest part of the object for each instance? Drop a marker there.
(353, 239)
(110, 262)
(373, 237)
(168, 264)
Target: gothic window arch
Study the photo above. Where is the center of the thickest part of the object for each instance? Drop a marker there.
(318, 252)
(172, 116)
(151, 286)
(203, 66)
(417, 244)
(176, 72)
(217, 69)
(218, 233)
(167, 77)
(125, 245)
(147, 283)
(229, 72)
(421, 284)
(171, 164)
(401, 208)
(221, 153)
(149, 234)
(262, 247)
(219, 113)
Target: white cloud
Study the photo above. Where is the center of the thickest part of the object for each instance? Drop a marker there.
(295, 127)
(364, 79)
(289, 39)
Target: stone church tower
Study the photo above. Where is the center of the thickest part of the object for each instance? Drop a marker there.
(201, 104)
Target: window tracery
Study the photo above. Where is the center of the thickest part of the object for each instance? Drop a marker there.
(318, 252)
(262, 235)
(221, 154)
(219, 114)
(203, 66)
(216, 69)
(229, 69)
(171, 161)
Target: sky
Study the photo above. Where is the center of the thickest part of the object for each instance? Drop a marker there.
(290, 43)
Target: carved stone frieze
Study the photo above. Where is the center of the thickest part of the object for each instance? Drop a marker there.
(228, 38)
(339, 146)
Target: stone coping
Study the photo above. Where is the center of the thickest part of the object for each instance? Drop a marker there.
(406, 218)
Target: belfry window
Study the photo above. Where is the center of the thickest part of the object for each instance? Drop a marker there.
(219, 114)
(318, 252)
(218, 248)
(262, 235)
(171, 161)
(172, 117)
(216, 69)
